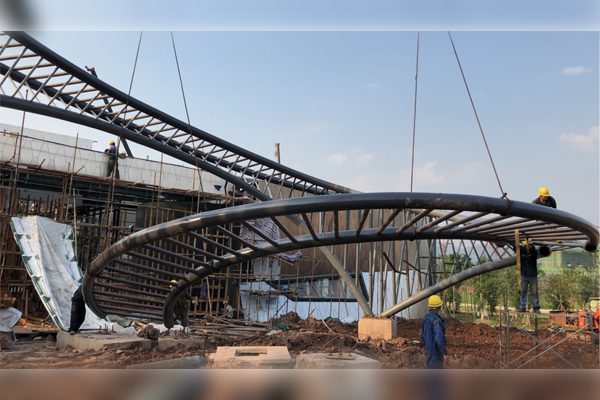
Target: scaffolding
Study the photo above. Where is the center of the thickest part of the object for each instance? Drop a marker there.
(511, 324)
(103, 210)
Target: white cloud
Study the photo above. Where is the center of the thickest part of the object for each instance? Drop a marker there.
(373, 85)
(427, 174)
(364, 159)
(586, 143)
(367, 182)
(359, 157)
(424, 178)
(471, 173)
(355, 155)
(336, 158)
(575, 70)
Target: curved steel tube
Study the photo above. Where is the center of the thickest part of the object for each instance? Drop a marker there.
(211, 153)
(307, 205)
(446, 283)
(213, 160)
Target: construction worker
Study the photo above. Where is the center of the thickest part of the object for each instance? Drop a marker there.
(544, 198)
(181, 310)
(529, 256)
(112, 160)
(77, 311)
(433, 333)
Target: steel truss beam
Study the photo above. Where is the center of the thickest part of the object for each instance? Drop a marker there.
(42, 87)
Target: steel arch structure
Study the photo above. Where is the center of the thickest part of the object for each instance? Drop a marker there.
(478, 219)
(35, 79)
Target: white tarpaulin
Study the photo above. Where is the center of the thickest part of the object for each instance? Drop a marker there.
(8, 318)
(48, 251)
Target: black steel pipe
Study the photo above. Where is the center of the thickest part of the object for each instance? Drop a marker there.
(137, 275)
(127, 289)
(545, 251)
(146, 268)
(111, 310)
(130, 282)
(427, 201)
(176, 255)
(446, 283)
(218, 245)
(124, 296)
(106, 300)
(160, 261)
(193, 249)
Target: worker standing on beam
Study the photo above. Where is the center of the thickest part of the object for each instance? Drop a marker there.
(433, 333)
(544, 198)
(529, 256)
(112, 160)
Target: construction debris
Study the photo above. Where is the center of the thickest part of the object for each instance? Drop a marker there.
(149, 332)
(178, 363)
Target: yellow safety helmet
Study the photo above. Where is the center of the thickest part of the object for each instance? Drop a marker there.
(111, 142)
(173, 282)
(544, 191)
(434, 301)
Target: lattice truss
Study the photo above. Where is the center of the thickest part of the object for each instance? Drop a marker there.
(192, 248)
(35, 79)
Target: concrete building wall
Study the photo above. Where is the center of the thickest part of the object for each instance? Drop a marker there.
(57, 152)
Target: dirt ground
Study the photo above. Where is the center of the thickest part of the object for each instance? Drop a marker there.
(471, 346)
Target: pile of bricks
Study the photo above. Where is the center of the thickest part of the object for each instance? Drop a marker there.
(7, 300)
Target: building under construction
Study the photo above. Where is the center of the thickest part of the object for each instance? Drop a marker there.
(60, 177)
(305, 245)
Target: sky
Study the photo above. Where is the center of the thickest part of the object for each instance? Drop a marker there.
(341, 102)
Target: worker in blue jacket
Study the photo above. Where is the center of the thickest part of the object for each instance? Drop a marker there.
(112, 160)
(433, 333)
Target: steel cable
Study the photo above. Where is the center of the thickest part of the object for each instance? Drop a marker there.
(111, 192)
(504, 194)
(188, 116)
(412, 165)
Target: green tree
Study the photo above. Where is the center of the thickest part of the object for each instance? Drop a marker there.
(572, 288)
(588, 285)
(507, 285)
(556, 288)
(453, 265)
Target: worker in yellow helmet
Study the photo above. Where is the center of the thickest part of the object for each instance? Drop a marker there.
(544, 198)
(181, 310)
(433, 333)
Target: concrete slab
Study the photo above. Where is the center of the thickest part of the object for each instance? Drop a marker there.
(377, 328)
(252, 357)
(321, 361)
(96, 341)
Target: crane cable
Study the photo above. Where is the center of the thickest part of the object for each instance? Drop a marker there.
(504, 194)
(111, 191)
(412, 165)
(188, 119)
